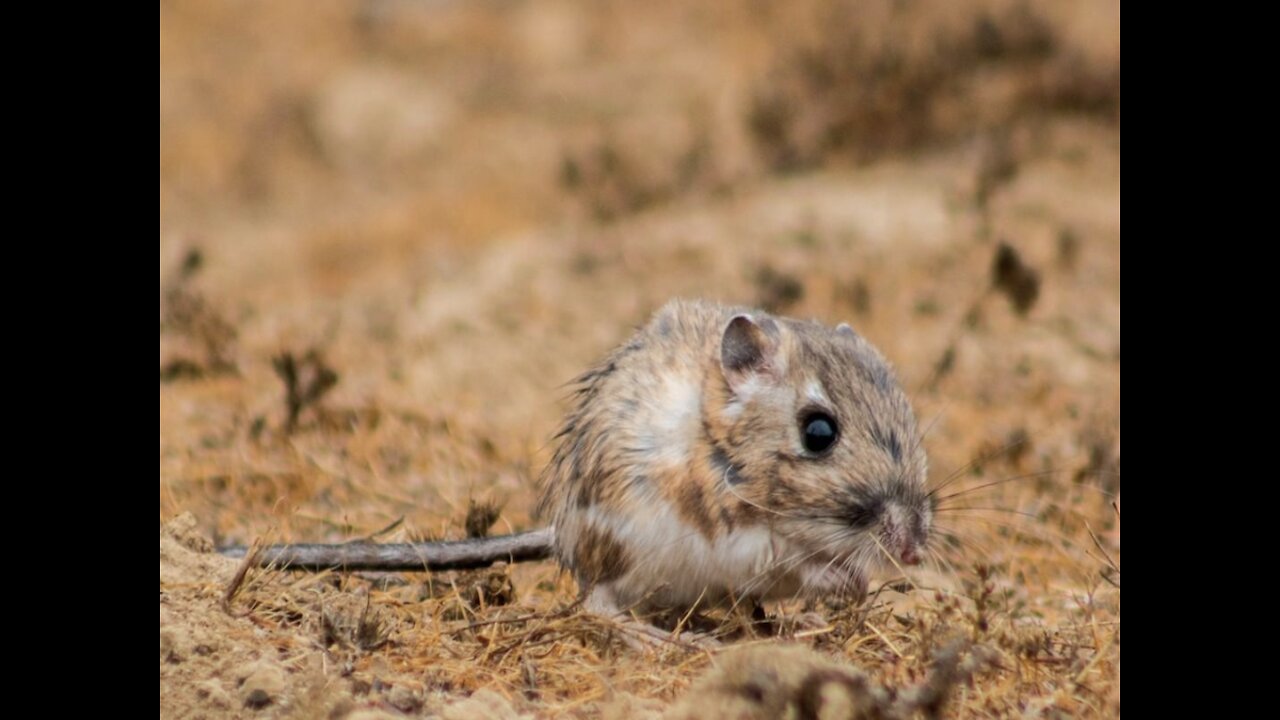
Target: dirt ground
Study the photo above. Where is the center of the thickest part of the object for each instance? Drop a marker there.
(425, 218)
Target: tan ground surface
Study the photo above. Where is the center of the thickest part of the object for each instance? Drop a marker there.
(459, 206)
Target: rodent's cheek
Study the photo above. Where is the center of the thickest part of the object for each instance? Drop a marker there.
(812, 488)
(761, 427)
(814, 539)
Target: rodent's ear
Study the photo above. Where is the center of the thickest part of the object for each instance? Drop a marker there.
(748, 350)
(844, 329)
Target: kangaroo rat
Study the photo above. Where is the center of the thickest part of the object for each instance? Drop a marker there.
(720, 454)
(723, 453)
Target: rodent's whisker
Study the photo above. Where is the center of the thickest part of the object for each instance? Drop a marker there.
(965, 540)
(980, 460)
(780, 569)
(920, 438)
(935, 560)
(1027, 476)
(1033, 516)
(1033, 531)
(786, 565)
(854, 560)
(1041, 503)
(842, 565)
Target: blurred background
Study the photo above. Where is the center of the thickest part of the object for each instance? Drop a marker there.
(449, 209)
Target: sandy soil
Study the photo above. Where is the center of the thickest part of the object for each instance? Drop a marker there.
(442, 212)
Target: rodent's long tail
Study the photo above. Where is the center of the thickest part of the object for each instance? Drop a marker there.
(443, 555)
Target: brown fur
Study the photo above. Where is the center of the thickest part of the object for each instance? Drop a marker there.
(599, 557)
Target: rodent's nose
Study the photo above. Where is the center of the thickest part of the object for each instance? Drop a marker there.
(902, 534)
(910, 554)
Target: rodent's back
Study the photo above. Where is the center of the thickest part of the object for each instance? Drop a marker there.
(639, 406)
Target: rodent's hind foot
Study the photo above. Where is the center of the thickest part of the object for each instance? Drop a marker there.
(638, 634)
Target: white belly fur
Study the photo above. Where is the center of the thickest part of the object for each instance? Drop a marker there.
(673, 564)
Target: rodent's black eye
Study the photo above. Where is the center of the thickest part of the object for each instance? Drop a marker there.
(819, 431)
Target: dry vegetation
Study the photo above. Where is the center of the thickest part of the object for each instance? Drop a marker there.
(392, 230)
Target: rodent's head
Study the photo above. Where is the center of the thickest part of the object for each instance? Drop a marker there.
(812, 430)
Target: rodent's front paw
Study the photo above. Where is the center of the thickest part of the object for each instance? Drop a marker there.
(792, 624)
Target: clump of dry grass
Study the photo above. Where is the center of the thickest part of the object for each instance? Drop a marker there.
(481, 515)
(307, 379)
(1013, 277)
(201, 339)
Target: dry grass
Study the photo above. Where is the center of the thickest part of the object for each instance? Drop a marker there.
(391, 231)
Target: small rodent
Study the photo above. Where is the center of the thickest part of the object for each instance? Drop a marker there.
(723, 454)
